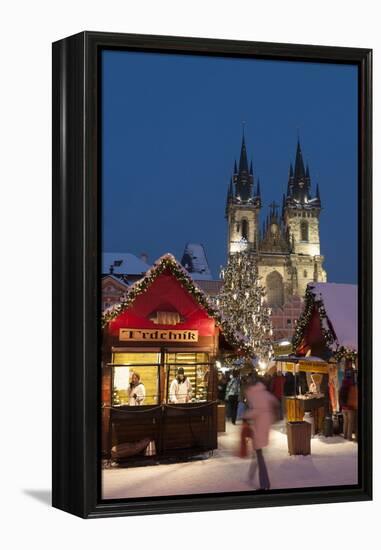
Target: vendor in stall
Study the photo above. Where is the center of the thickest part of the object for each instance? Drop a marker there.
(181, 388)
(136, 390)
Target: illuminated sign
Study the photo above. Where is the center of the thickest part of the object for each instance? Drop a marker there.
(149, 335)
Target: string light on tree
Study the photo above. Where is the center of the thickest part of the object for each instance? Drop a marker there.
(244, 307)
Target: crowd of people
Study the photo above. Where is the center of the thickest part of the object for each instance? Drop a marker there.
(258, 402)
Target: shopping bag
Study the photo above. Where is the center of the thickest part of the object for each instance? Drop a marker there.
(246, 434)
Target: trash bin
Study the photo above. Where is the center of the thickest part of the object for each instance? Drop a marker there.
(328, 426)
(299, 438)
(338, 423)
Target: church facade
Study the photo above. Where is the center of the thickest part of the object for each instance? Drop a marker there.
(287, 244)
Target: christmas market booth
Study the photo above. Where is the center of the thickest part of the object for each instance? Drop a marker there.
(159, 379)
(324, 343)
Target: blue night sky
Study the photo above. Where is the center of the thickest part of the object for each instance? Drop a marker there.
(172, 129)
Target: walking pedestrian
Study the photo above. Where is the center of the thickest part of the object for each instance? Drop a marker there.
(241, 408)
(221, 386)
(232, 394)
(261, 413)
(348, 403)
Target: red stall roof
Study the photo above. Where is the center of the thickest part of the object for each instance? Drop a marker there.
(168, 287)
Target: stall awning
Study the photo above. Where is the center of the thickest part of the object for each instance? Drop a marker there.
(306, 364)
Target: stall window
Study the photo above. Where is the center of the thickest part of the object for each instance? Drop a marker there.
(146, 365)
(196, 368)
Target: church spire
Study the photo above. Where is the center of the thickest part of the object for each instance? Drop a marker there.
(299, 164)
(243, 178)
(243, 164)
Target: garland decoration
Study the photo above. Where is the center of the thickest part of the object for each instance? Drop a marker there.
(312, 302)
(169, 263)
(345, 353)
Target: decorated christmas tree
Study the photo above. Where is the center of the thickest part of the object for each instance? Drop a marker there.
(242, 303)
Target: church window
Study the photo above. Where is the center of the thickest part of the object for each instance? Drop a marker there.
(274, 287)
(245, 229)
(304, 230)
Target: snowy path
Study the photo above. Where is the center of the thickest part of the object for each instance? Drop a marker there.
(333, 462)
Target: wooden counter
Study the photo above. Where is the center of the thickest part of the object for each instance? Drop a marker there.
(295, 409)
(189, 428)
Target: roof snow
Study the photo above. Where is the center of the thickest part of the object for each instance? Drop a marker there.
(340, 304)
(123, 264)
(195, 262)
(117, 279)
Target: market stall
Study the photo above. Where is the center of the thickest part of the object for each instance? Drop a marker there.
(324, 343)
(305, 389)
(159, 380)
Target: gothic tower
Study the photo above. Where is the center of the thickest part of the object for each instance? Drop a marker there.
(301, 213)
(243, 205)
(288, 247)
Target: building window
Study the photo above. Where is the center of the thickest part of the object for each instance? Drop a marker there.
(305, 273)
(304, 230)
(288, 322)
(245, 229)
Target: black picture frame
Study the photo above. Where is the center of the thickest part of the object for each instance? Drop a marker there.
(76, 265)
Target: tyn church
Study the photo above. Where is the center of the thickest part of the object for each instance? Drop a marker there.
(288, 243)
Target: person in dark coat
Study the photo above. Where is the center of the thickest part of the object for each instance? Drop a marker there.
(232, 394)
(348, 403)
(221, 386)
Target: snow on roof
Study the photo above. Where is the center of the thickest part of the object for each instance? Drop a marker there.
(195, 262)
(212, 288)
(340, 304)
(116, 279)
(123, 263)
(167, 261)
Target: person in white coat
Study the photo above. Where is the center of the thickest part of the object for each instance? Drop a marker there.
(136, 390)
(261, 414)
(181, 388)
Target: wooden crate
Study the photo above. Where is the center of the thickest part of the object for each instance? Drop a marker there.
(299, 438)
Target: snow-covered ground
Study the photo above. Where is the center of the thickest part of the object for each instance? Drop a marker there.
(333, 461)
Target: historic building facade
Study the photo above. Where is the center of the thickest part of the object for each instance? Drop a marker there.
(288, 242)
